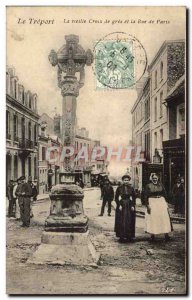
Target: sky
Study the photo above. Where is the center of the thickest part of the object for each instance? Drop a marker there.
(105, 113)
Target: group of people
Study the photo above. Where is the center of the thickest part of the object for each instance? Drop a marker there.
(20, 195)
(157, 219)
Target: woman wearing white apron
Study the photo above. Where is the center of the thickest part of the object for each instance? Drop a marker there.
(157, 219)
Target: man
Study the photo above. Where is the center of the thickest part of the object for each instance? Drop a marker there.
(30, 182)
(24, 193)
(10, 198)
(15, 197)
(178, 193)
(107, 194)
(35, 192)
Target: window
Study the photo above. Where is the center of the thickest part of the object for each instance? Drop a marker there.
(161, 104)
(147, 146)
(23, 96)
(155, 109)
(29, 101)
(35, 133)
(15, 89)
(161, 71)
(155, 79)
(8, 124)
(15, 127)
(147, 108)
(155, 140)
(15, 167)
(43, 153)
(29, 131)
(29, 166)
(23, 128)
(161, 138)
(35, 167)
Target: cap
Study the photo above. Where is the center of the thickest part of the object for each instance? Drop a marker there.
(126, 176)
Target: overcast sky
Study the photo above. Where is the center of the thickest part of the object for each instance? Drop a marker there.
(105, 113)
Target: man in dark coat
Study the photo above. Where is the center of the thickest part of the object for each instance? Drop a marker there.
(107, 194)
(125, 210)
(10, 198)
(178, 193)
(24, 193)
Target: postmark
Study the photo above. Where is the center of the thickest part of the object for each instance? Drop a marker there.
(120, 61)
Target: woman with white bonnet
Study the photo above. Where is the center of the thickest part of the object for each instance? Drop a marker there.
(157, 220)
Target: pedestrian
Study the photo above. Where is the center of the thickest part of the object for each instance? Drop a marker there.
(35, 192)
(17, 210)
(24, 193)
(157, 219)
(178, 193)
(30, 182)
(125, 210)
(10, 198)
(107, 195)
(81, 184)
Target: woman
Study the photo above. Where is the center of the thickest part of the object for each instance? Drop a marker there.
(157, 216)
(125, 210)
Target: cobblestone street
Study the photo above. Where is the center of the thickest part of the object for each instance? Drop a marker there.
(140, 267)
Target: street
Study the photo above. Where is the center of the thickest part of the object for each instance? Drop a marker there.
(141, 267)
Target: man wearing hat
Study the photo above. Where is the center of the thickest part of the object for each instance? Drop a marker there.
(107, 194)
(24, 193)
(125, 210)
(10, 198)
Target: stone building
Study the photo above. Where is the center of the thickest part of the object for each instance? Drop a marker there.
(21, 129)
(156, 118)
(165, 69)
(141, 133)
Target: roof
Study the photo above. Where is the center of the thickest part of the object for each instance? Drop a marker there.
(163, 46)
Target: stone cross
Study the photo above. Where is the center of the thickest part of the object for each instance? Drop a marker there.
(70, 60)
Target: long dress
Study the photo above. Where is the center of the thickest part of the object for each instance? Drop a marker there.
(158, 221)
(125, 217)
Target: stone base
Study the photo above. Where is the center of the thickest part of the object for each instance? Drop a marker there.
(63, 248)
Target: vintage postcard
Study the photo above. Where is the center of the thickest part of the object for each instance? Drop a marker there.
(96, 150)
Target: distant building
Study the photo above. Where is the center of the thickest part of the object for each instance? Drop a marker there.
(47, 172)
(21, 129)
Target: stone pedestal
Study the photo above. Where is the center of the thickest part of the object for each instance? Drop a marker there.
(65, 240)
(62, 248)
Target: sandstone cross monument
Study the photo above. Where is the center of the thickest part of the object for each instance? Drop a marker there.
(65, 239)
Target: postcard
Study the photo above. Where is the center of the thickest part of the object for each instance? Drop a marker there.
(96, 150)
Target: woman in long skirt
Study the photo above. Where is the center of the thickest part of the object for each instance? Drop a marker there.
(125, 211)
(157, 219)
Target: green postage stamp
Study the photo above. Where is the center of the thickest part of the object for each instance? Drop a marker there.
(120, 61)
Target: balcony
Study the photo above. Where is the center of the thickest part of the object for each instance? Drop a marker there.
(26, 144)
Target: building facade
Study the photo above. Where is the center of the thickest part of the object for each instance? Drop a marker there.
(165, 69)
(156, 117)
(21, 129)
(141, 133)
(48, 172)
(174, 150)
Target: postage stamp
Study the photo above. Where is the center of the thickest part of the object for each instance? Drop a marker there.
(120, 61)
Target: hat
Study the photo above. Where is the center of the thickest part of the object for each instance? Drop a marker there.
(126, 176)
(22, 178)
